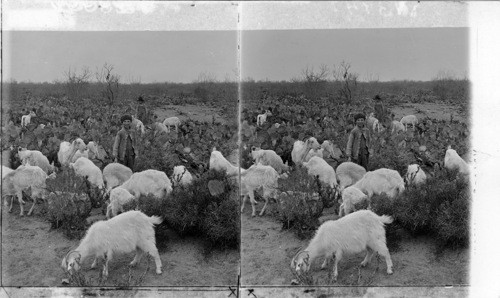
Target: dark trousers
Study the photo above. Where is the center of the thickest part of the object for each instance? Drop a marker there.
(362, 159)
(128, 161)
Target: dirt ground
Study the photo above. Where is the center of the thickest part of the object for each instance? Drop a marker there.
(432, 110)
(32, 254)
(266, 252)
(193, 112)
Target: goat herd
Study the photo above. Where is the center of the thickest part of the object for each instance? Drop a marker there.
(131, 231)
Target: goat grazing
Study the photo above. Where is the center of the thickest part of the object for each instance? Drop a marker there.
(124, 233)
(415, 175)
(172, 121)
(453, 161)
(380, 181)
(35, 158)
(409, 119)
(181, 176)
(269, 158)
(351, 234)
(219, 163)
(349, 173)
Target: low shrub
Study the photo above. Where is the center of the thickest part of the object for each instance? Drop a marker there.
(68, 204)
(440, 207)
(293, 211)
(68, 211)
(193, 210)
(383, 205)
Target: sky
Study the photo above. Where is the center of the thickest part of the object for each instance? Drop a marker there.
(386, 54)
(174, 56)
(181, 56)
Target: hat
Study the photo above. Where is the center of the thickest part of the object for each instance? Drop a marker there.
(140, 99)
(377, 97)
(358, 116)
(126, 117)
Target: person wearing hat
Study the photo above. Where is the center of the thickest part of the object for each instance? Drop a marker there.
(380, 113)
(124, 148)
(141, 112)
(359, 142)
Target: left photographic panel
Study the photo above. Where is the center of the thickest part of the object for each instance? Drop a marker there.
(110, 114)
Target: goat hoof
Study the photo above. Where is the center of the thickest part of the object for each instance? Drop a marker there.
(389, 272)
(10, 211)
(158, 271)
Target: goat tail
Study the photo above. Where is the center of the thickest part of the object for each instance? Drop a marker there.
(386, 219)
(155, 220)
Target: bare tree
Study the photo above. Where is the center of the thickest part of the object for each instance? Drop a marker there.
(315, 82)
(348, 80)
(110, 82)
(76, 83)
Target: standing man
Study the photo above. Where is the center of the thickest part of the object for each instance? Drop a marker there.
(359, 142)
(124, 148)
(380, 112)
(141, 112)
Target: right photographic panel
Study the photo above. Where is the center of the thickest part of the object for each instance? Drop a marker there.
(355, 134)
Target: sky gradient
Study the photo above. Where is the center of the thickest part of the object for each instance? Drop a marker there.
(180, 56)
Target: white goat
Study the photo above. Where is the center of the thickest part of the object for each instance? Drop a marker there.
(181, 176)
(373, 123)
(414, 175)
(453, 161)
(397, 126)
(148, 182)
(138, 125)
(115, 174)
(409, 119)
(255, 177)
(300, 149)
(317, 166)
(350, 197)
(172, 121)
(67, 150)
(269, 158)
(92, 152)
(325, 151)
(26, 119)
(118, 197)
(160, 128)
(35, 158)
(24, 178)
(84, 167)
(125, 233)
(349, 173)
(380, 181)
(219, 163)
(262, 118)
(351, 234)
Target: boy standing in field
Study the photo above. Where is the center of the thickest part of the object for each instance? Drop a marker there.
(358, 144)
(141, 112)
(124, 148)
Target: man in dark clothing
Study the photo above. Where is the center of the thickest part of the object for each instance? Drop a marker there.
(124, 148)
(380, 111)
(359, 142)
(141, 112)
